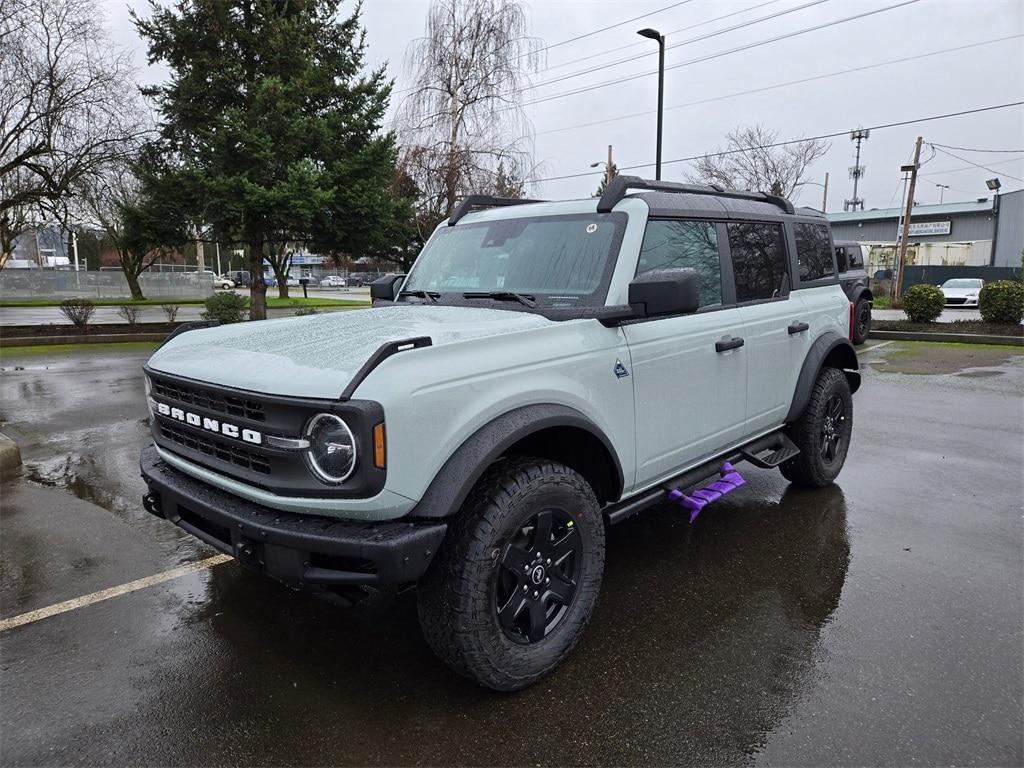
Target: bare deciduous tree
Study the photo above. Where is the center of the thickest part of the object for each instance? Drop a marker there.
(750, 161)
(111, 199)
(65, 106)
(462, 121)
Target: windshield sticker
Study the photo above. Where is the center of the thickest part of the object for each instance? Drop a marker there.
(591, 228)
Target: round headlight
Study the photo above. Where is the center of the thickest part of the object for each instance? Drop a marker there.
(332, 448)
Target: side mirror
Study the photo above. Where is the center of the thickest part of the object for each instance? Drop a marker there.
(665, 292)
(386, 288)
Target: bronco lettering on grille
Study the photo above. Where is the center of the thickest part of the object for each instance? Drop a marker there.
(210, 425)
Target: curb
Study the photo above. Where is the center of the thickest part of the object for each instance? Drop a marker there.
(10, 455)
(961, 338)
(99, 338)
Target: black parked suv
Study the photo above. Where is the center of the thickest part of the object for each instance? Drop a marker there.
(854, 279)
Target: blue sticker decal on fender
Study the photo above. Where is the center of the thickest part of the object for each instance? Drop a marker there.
(620, 370)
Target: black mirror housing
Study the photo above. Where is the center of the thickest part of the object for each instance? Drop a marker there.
(665, 292)
(386, 288)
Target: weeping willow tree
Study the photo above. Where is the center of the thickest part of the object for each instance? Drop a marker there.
(461, 124)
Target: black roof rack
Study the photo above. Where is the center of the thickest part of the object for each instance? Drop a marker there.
(484, 201)
(622, 184)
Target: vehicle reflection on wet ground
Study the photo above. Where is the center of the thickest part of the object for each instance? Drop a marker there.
(874, 622)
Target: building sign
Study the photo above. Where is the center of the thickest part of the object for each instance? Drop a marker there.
(922, 228)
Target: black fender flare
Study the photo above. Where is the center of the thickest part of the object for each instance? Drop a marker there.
(839, 352)
(859, 292)
(453, 482)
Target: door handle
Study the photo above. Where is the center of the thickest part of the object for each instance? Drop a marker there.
(724, 346)
(797, 328)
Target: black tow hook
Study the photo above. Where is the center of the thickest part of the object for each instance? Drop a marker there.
(151, 503)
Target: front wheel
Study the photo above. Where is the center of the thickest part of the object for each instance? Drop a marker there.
(822, 433)
(517, 578)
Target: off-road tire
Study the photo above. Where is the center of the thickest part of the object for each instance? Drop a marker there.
(861, 321)
(810, 468)
(457, 597)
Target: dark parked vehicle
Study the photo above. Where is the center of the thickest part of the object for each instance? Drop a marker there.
(240, 279)
(854, 279)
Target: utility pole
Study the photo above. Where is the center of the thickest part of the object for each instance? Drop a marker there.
(898, 277)
(608, 168)
(74, 247)
(824, 195)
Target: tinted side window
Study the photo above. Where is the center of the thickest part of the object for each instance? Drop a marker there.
(758, 260)
(856, 256)
(693, 244)
(813, 252)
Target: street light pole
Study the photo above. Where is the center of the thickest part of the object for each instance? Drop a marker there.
(653, 34)
(942, 191)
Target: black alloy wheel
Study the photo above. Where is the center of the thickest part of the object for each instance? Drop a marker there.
(831, 428)
(537, 580)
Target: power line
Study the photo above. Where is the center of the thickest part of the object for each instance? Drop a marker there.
(780, 85)
(613, 26)
(679, 44)
(605, 52)
(720, 54)
(585, 35)
(833, 135)
(970, 149)
(978, 165)
(946, 171)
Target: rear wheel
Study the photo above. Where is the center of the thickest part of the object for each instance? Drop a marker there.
(822, 433)
(861, 321)
(512, 588)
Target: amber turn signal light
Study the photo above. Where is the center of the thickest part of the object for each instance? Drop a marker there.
(379, 446)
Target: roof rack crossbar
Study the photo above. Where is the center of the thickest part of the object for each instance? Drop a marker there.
(615, 191)
(484, 201)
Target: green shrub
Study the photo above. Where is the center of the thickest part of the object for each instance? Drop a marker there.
(1002, 301)
(301, 310)
(227, 307)
(923, 303)
(78, 311)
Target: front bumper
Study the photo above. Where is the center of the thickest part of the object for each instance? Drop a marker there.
(299, 550)
(958, 301)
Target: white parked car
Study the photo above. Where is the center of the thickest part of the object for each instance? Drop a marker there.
(224, 283)
(333, 281)
(962, 291)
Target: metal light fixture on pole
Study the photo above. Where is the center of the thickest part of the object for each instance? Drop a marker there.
(942, 191)
(653, 34)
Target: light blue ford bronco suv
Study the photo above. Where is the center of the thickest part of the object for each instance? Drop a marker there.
(544, 370)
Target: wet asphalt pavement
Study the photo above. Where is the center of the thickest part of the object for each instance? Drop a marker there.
(875, 622)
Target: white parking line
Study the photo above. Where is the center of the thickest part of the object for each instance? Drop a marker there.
(106, 594)
(877, 346)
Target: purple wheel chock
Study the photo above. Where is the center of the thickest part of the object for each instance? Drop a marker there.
(729, 480)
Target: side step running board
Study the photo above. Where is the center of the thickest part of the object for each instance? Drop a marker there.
(762, 452)
(770, 455)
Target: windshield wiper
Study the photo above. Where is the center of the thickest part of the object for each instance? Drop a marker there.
(523, 298)
(432, 295)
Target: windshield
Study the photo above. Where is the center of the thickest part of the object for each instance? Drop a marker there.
(962, 283)
(557, 261)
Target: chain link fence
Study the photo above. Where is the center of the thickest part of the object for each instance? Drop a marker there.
(66, 284)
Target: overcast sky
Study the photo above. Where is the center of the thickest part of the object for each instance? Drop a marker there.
(981, 76)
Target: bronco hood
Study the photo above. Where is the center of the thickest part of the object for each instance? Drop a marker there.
(318, 356)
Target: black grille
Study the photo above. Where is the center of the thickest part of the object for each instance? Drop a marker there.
(241, 407)
(956, 300)
(218, 449)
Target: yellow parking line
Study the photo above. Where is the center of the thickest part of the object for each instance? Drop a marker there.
(106, 594)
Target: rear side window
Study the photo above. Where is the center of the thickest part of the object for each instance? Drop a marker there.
(685, 244)
(813, 252)
(856, 257)
(758, 260)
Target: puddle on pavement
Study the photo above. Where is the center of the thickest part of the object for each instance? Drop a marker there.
(929, 359)
(65, 472)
